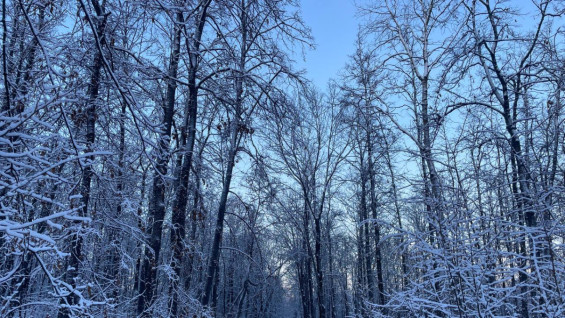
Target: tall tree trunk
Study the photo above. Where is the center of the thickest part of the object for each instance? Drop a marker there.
(319, 269)
(188, 137)
(305, 268)
(332, 275)
(302, 288)
(195, 218)
(432, 185)
(377, 230)
(87, 172)
(236, 132)
(214, 262)
(360, 285)
(366, 237)
(148, 279)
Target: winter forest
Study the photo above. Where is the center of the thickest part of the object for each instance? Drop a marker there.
(171, 158)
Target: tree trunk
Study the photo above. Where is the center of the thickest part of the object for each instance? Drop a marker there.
(377, 231)
(319, 270)
(305, 268)
(214, 261)
(148, 279)
(332, 275)
(87, 172)
(188, 137)
(366, 234)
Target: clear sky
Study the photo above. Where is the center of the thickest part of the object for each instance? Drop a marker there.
(334, 28)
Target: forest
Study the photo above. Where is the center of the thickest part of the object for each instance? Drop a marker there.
(170, 158)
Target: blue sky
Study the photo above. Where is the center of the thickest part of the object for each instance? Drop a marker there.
(334, 28)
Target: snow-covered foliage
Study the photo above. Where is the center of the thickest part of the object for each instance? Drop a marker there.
(165, 158)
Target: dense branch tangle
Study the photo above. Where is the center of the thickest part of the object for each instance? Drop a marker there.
(165, 158)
